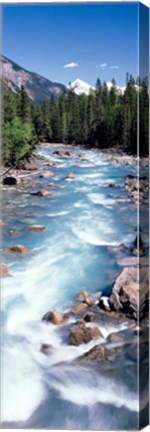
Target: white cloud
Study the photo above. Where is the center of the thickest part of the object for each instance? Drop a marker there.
(114, 67)
(71, 65)
(102, 65)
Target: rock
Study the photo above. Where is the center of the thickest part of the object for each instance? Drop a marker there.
(1, 223)
(82, 295)
(49, 163)
(80, 333)
(3, 270)
(137, 187)
(104, 303)
(46, 348)
(46, 174)
(78, 308)
(130, 292)
(42, 193)
(112, 185)
(89, 317)
(69, 176)
(133, 261)
(10, 181)
(97, 353)
(115, 338)
(35, 228)
(20, 249)
(63, 154)
(55, 317)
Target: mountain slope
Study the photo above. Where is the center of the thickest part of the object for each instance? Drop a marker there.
(37, 87)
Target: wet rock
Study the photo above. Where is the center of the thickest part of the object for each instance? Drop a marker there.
(63, 154)
(35, 228)
(82, 295)
(3, 270)
(46, 174)
(97, 354)
(55, 317)
(89, 317)
(49, 163)
(82, 334)
(19, 249)
(42, 193)
(78, 308)
(1, 223)
(10, 181)
(46, 348)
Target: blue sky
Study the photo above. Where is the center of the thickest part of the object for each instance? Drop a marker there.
(97, 40)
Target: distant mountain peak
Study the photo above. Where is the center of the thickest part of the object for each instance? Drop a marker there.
(80, 87)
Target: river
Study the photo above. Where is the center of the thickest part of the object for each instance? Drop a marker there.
(83, 220)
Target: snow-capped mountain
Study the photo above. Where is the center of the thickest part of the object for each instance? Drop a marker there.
(80, 87)
(120, 89)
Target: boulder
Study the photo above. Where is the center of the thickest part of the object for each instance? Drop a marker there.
(42, 193)
(35, 228)
(84, 333)
(55, 317)
(10, 181)
(20, 249)
(97, 354)
(3, 270)
(130, 292)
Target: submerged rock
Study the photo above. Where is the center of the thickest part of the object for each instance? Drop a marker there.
(84, 333)
(1, 223)
(42, 193)
(46, 348)
(3, 270)
(20, 249)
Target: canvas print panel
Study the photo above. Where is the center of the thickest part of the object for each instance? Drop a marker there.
(74, 216)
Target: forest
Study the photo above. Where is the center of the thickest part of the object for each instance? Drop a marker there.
(104, 119)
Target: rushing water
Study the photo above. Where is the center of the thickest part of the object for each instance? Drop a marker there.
(83, 218)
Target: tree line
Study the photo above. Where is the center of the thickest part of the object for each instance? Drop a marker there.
(103, 119)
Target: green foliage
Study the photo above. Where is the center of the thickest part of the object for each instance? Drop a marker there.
(17, 137)
(105, 118)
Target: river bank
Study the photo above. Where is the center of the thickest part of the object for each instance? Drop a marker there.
(70, 307)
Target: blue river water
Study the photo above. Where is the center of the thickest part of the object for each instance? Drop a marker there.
(83, 220)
